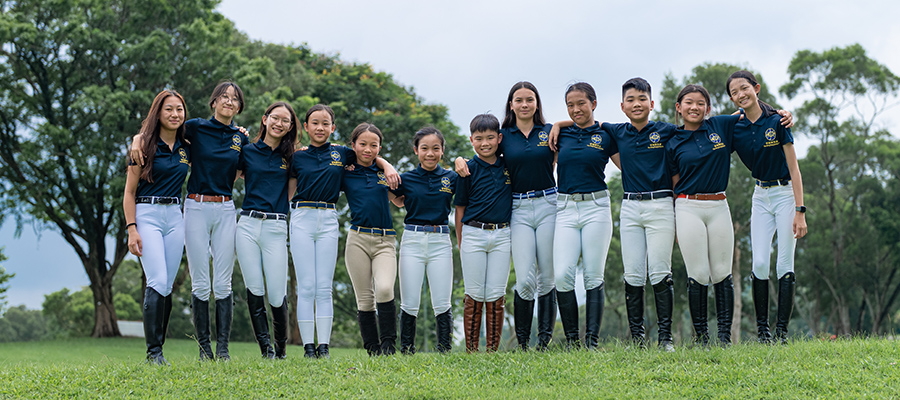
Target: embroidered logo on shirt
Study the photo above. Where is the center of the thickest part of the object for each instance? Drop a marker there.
(770, 138)
(183, 155)
(506, 172)
(236, 142)
(283, 164)
(381, 179)
(336, 159)
(714, 137)
(654, 141)
(544, 139)
(445, 185)
(596, 139)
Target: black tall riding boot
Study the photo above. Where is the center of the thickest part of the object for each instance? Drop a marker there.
(200, 314)
(761, 303)
(593, 315)
(546, 306)
(407, 333)
(368, 329)
(697, 300)
(786, 286)
(387, 326)
(224, 316)
(634, 306)
(664, 294)
(568, 313)
(523, 313)
(154, 308)
(725, 309)
(260, 322)
(444, 327)
(280, 328)
(167, 312)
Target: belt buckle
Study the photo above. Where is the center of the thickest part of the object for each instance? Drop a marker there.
(638, 196)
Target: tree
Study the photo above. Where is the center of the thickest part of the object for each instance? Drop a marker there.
(852, 173)
(4, 278)
(76, 77)
(740, 183)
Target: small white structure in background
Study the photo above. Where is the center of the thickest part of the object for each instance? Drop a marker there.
(131, 328)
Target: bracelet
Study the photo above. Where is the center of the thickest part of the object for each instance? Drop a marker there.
(129, 225)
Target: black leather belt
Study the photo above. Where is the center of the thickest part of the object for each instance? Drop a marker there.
(263, 215)
(312, 204)
(156, 200)
(777, 182)
(485, 226)
(659, 194)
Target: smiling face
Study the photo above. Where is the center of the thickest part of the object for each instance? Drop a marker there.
(227, 105)
(581, 110)
(171, 115)
(319, 126)
(743, 93)
(636, 105)
(693, 108)
(278, 122)
(524, 104)
(430, 151)
(486, 143)
(366, 146)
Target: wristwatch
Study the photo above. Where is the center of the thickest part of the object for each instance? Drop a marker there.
(801, 209)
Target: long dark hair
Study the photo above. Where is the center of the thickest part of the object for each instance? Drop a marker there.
(289, 141)
(149, 132)
(509, 119)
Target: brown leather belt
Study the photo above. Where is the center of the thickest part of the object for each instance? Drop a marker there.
(703, 196)
(204, 198)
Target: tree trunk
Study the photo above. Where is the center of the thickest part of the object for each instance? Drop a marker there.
(294, 326)
(105, 320)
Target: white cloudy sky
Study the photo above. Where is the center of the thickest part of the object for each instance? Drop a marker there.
(466, 54)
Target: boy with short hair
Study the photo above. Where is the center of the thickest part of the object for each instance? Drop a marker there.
(483, 211)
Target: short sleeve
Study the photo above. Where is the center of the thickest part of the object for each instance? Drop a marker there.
(462, 191)
(295, 167)
(785, 133)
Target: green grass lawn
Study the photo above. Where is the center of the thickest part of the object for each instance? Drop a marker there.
(114, 368)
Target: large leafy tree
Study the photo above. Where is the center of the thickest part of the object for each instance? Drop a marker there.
(713, 77)
(850, 176)
(77, 75)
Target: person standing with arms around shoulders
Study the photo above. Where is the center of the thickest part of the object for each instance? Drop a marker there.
(425, 247)
(698, 158)
(370, 252)
(261, 238)
(153, 218)
(767, 149)
(525, 150)
(483, 211)
(647, 218)
(583, 219)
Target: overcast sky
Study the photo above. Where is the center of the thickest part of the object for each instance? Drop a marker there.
(467, 54)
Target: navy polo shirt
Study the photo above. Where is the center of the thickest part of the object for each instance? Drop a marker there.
(367, 194)
(643, 155)
(529, 160)
(702, 158)
(428, 195)
(759, 145)
(170, 167)
(486, 193)
(583, 154)
(265, 178)
(319, 171)
(215, 152)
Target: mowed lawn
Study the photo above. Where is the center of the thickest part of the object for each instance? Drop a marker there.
(114, 368)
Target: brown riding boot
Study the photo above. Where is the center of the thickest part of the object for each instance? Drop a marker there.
(493, 323)
(472, 323)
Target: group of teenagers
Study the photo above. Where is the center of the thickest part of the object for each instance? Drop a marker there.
(508, 205)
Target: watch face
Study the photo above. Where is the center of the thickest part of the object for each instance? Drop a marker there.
(801, 209)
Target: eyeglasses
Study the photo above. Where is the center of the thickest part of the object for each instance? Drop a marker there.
(276, 120)
(225, 99)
